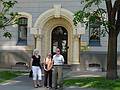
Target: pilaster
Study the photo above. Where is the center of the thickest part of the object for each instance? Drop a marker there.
(76, 51)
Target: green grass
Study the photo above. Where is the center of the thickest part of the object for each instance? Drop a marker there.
(94, 82)
(7, 75)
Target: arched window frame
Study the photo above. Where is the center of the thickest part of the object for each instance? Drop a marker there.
(22, 31)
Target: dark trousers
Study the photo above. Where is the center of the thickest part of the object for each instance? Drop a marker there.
(48, 78)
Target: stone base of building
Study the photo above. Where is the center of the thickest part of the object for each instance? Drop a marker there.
(75, 67)
(11, 58)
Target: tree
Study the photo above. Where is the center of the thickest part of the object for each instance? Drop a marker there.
(111, 25)
(7, 17)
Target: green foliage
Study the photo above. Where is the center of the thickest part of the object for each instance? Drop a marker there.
(87, 16)
(7, 5)
(7, 35)
(80, 16)
(94, 82)
(89, 3)
(97, 16)
(7, 17)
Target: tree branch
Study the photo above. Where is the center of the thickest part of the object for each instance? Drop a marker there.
(115, 9)
(116, 4)
(109, 7)
(10, 20)
(118, 21)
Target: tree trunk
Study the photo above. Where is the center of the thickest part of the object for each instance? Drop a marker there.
(112, 56)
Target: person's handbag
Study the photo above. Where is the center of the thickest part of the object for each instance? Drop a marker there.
(31, 74)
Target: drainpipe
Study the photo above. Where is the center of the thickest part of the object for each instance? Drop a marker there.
(79, 47)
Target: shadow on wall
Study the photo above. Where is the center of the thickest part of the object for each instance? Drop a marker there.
(10, 58)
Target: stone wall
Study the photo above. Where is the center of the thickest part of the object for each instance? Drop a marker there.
(10, 58)
(87, 58)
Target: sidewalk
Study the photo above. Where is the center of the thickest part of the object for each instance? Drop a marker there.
(25, 83)
(19, 83)
(73, 74)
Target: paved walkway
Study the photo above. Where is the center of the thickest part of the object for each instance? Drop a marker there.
(19, 83)
(73, 74)
(25, 83)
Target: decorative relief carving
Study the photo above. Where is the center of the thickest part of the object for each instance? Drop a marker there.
(57, 10)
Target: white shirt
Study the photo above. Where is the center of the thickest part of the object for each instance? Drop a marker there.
(58, 59)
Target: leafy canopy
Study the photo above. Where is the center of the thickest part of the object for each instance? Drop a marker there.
(88, 15)
(7, 17)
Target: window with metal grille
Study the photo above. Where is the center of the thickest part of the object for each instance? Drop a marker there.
(22, 31)
(94, 35)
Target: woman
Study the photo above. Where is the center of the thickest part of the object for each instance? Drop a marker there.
(48, 63)
(36, 68)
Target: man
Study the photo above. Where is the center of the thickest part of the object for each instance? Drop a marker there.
(58, 73)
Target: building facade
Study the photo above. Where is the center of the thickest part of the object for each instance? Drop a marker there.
(47, 24)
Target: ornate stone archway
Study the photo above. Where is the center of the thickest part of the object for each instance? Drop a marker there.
(47, 22)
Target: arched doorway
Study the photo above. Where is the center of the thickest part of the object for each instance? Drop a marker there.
(60, 40)
(47, 22)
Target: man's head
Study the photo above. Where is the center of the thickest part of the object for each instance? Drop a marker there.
(57, 51)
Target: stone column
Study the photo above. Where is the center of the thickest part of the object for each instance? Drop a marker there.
(76, 56)
(76, 53)
(38, 43)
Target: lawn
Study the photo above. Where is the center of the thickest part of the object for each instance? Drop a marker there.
(7, 75)
(94, 82)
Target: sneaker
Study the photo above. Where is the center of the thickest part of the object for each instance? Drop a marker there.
(50, 88)
(58, 86)
(39, 85)
(45, 86)
(35, 86)
(54, 88)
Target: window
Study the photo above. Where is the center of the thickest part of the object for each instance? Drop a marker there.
(94, 35)
(22, 31)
